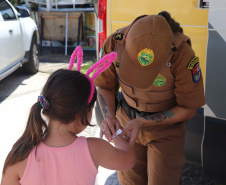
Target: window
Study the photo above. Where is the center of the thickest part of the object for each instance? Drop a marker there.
(204, 3)
(6, 11)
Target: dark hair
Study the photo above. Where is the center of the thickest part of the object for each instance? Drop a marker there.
(68, 93)
(175, 26)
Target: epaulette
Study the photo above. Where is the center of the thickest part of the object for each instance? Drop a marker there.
(118, 36)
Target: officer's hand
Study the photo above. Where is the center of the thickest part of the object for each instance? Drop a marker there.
(132, 130)
(108, 128)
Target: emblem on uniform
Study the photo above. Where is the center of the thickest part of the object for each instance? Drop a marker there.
(116, 65)
(159, 81)
(145, 57)
(193, 62)
(194, 65)
(173, 47)
(196, 73)
(118, 36)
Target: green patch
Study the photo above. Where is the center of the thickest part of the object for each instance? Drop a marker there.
(159, 81)
(145, 57)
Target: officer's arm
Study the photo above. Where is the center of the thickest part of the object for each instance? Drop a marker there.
(106, 82)
(171, 116)
(106, 99)
(174, 115)
(110, 124)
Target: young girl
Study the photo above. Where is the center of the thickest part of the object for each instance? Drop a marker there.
(53, 154)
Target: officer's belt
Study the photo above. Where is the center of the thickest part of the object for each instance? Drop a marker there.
(131, 112)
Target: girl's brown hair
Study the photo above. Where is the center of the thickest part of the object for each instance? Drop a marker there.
(68, 93)
(175, 26)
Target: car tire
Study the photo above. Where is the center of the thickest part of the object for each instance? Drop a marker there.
(32, 66)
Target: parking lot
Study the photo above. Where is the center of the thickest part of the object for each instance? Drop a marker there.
(19, 91)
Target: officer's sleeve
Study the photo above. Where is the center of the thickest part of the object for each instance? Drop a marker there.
(189, 88)
(108, 78)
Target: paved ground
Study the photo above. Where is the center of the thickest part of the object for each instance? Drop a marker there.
(15, 102)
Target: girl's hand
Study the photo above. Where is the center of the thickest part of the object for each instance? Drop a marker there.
(132, 130)
(109, 127)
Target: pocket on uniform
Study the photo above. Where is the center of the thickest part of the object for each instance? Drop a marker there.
(175, 161)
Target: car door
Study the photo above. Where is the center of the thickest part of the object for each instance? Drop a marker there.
(11, 48)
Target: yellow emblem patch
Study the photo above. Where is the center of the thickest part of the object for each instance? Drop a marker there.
(193, 62)
(145, 57)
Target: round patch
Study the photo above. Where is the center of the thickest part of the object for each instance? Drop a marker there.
(159, 81)
(145, 57)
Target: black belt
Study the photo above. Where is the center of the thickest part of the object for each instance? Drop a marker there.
(131, 112)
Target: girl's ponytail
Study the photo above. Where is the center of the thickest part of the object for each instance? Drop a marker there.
(175, 26)
(35, 129)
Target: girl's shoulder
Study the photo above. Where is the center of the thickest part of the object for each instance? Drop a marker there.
(21, 166)
(14, 172)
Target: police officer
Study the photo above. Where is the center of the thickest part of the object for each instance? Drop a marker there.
(161, 88)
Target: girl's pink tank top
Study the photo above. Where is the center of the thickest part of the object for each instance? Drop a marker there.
(69, 165)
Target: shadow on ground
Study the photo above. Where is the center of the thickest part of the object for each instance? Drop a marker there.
(9, 84)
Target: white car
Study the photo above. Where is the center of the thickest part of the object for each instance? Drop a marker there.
(18, 40)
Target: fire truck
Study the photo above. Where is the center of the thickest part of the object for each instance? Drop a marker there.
(204, 22)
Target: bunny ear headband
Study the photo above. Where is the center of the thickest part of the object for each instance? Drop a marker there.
(99, 66)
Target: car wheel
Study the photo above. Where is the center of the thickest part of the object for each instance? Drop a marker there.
(32, 65)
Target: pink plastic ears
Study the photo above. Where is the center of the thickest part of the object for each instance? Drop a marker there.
(99, 66)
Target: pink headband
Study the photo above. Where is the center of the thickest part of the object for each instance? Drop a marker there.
(99, 66)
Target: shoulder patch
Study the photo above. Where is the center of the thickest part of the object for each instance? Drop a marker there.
(193, 62)
(196, 73)
(195, 69)
(118, 36)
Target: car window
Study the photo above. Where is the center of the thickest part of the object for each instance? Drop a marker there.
(6, 11)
